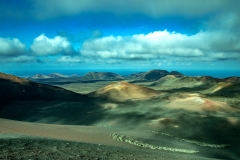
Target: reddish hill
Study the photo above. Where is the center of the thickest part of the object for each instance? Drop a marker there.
(122, 91)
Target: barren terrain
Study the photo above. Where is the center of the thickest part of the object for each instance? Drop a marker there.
(170, 119)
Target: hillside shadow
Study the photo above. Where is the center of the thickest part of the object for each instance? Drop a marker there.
(212, 129)
(54, 112)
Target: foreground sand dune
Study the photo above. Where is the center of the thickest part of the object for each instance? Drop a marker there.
(88, 134)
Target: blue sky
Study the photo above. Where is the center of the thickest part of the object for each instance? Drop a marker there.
(121, 34)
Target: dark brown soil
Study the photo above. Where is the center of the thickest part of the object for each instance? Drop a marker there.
(48, 149)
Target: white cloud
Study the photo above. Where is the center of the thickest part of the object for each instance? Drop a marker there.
(69, 59)
(11, 47)
(207, 46)
(24, 58)
(18, 59)
(43, 46)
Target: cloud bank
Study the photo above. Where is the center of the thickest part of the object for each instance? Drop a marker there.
(13, 50)
(164, 46)
(208, 46)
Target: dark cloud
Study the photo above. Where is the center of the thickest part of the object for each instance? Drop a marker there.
(15, 9)
(155, 8)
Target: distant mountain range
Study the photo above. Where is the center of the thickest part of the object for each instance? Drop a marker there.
(16, 88)
(151, 75)
(158, 77)
(52, 75)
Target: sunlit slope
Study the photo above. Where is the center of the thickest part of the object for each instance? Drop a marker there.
(122, 91)
(226, 89)
(171, 81)
(197, 102)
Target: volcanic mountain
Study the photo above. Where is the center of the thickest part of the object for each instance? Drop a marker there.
(15, 88)
(154, 75)
(135, 75)
(101, 76)
(176, 82)
(122, 91)
(205, 84)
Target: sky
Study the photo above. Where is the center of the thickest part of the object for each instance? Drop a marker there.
(120, 34)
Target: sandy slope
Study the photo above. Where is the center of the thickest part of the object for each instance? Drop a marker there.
(88, 134)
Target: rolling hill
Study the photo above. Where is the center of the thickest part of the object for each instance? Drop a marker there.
(154, 75)
(122, 91)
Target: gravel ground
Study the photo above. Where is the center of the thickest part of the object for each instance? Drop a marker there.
(15, 148)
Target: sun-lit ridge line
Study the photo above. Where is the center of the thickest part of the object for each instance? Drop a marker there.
(133, 141)
(203, 144)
